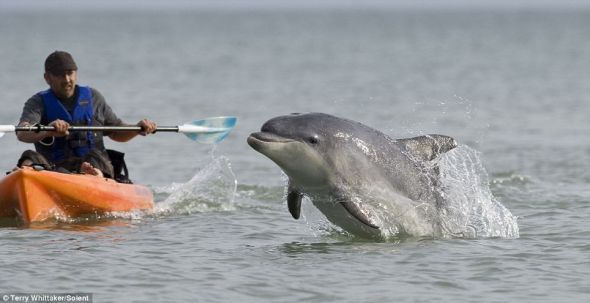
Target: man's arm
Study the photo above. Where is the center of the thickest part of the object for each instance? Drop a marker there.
(107, 117)
(32, 113)
(148, 126)
(33, 137)
(30, 137)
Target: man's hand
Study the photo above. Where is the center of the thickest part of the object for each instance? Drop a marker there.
(147, 126)
(61, 128)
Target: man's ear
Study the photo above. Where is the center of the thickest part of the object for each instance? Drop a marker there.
(46, 77)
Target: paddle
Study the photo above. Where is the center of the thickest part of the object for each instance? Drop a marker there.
(209, 130)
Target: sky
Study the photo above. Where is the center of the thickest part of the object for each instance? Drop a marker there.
(7, 5)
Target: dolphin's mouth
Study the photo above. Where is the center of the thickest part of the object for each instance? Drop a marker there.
(356, 212)
(267, 137)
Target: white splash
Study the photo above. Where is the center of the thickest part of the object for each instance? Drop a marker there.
(211, 188)
(471, 210)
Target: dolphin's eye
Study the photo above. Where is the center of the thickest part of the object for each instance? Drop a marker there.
(313, 139)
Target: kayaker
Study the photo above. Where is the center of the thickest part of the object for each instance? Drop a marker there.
(66, 103)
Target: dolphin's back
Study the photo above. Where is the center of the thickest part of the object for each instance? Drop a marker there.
(407, 163)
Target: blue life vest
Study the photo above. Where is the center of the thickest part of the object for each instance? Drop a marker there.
(76, 143)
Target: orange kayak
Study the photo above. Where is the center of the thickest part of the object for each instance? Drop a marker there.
(32, 196)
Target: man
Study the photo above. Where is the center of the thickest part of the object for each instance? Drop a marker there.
(65, 103)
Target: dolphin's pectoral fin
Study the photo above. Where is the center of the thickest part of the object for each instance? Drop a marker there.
(427, 148)
(294, 202)
(353, 209)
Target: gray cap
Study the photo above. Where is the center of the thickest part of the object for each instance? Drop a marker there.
(59, 62)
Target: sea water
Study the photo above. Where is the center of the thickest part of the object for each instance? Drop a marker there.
(511, 86)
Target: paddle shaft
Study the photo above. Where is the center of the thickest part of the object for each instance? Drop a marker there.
(38, 128)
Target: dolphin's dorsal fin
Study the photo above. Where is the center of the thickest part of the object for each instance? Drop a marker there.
(428, 147)
(294, 201)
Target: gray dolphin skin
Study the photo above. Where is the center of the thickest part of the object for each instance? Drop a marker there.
(362, 180)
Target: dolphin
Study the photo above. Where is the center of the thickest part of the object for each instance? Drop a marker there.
(361, 179)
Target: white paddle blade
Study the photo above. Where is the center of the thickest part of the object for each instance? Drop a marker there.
(210, 130)
(6, 128)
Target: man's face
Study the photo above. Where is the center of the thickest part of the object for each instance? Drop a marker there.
(63, 85)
